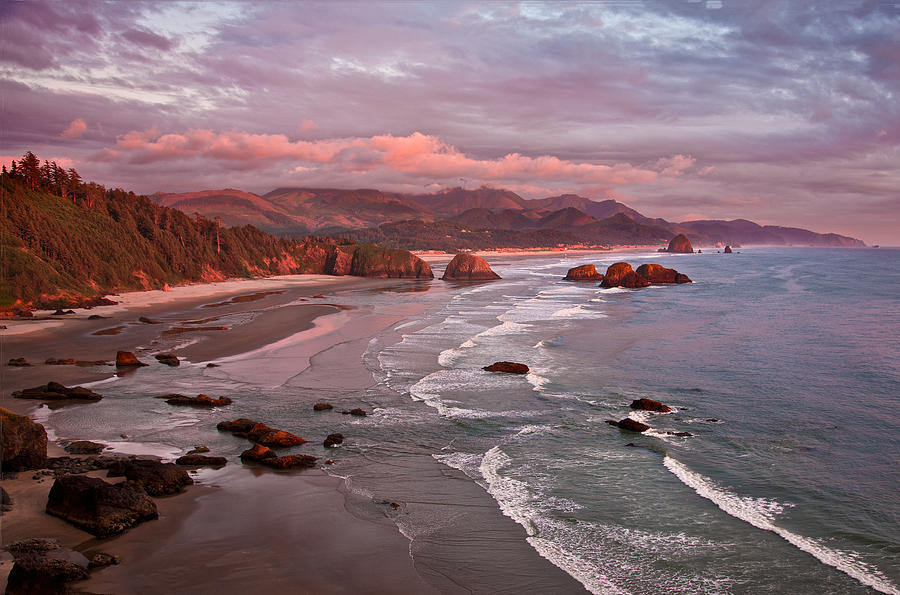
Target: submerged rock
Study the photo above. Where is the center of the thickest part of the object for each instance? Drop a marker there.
(507, 367)
(322, 407)
(54, 391)
(169, 359)
(126, 359)
(629, 424)
(621, 274)
(23, 443)
(333, 440)
(468, 267)
(656, 273)
(650, 405)
(257, 453)
(200, 400)
(99, 507)
(54, 361)
(586, 272)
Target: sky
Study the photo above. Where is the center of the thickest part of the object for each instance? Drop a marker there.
(784, 113)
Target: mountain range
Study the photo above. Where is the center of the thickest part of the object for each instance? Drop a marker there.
(459, 218)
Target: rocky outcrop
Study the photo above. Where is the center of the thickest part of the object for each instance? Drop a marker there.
(18, 362)
(468, 267)
(586, 272)
(361, 260)
(59, 361)
(98, 507)
(54, 391)
(629, 424)
(656, 274)
(680, 244)
(507, 367)
(198, 460)
(84, 447)
(265, 456)
(621, 274)
(260, 433)
(23, 443)
(727, 249)
(333, 440)
(169, 359)
(157, 478)
(39, 572)
(200, 400)
(650, 405)
(257, 453)
(322, 407)
(357, 412)
(126, 359)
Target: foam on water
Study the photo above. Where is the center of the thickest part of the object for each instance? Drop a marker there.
(537, 381)
(761, 513)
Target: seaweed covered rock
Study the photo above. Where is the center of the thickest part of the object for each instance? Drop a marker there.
(468, 267)
(260, 433)
(99, 507)
(656, 273)
(586, 272)
(621, 274)
(23, 443)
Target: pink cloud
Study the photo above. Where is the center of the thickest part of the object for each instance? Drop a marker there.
(417, 155)
(75, 129)
(307, 125)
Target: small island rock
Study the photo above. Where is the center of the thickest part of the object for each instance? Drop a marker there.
(126, 359)
(332, 440)
(468, 267)
(728, 250)
(620, 274)
(586, 272)
(680, 244)
(322, 407)
(508, 367)
(656, 273)
(629, 424)
(650, 405)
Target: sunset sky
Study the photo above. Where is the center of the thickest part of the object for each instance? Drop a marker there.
(781, 112)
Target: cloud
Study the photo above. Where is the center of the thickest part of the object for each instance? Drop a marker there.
(75, 129)
(145, 38)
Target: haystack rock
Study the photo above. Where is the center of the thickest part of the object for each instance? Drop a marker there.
(727, 249)
(126, 359)
(508, 367)
(650, 405)
(586, 272)
(656, 273)
(621, 274)
(468, 267)
(23, 443)
(99, 507)
(680, 244)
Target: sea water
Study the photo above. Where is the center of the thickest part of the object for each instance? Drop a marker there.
(781, 363)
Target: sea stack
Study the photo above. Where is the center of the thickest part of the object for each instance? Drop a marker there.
(586, 272)
(656, 273)
(468, 267)
(680, 244)
(621, 274)
(727, 249)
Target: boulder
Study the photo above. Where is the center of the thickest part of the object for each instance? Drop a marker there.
(620, 274)
(126, 359)
(289, 461)
(629, 424)
(650, 405)
(468, 267)
(278, 438)
(98, 507)
(586, 272)
(322, 407)
(198, 460)
(200, 400)
(37, 573)
(157, 478)
(238, 427)
(727, 249)
(680, 244)
(102, 560)
(32, 545)
(260, 433)
(508, 367)
(170, 359)
(198, 449)
(23, 443)
(656, 273)
(54, 391)
(54, 361)
(257, 453)
(333, 440)
(84, 447)
(18, 362)
(357, 412)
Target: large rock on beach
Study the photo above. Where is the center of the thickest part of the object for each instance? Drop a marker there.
(650, 405)
(40, 573)
(621, 274)
(198, 460)
(257, 453)
(169, 359)
(586, 272)
(200, 400)
(629, 424)
(126, 359)
(507, 367)
(54, 391)
(468, 267)
(289, 461)
(23, 443)
(84, 447)
(680, 244)
(157, 478)
(656, 273)
(98, 507)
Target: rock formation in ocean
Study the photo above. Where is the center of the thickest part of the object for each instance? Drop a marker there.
(126, 359)
(468, 267)
(727, 249)
(333, 440)
(18, 362)
(198, 460)
(157, 478)
(621, 274)
(322, 407)
(259, 433)
(23, 443)
(508, 367)
(200, 400)
(585, 272)
(98, 507)
(656, 273)
(629, 424)
(54, 391)
(170, 359)
(265, 456)
(650, 405)
(680, 244)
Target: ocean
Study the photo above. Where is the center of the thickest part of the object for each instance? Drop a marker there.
(781, 363)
